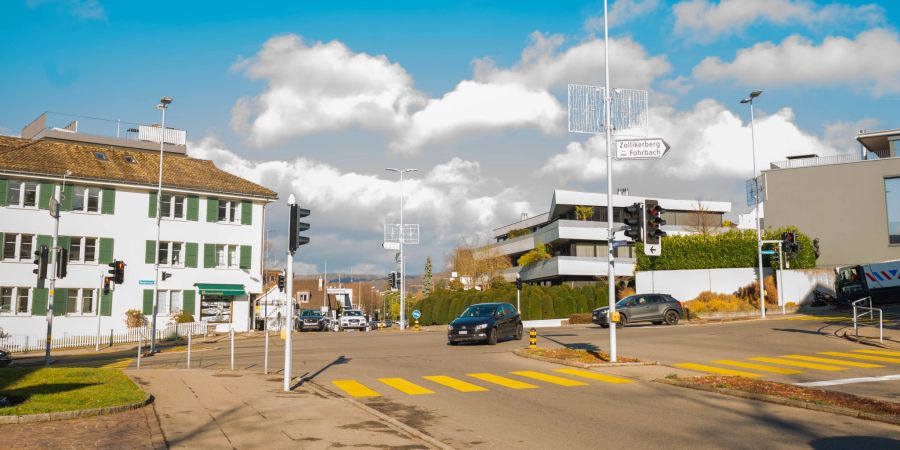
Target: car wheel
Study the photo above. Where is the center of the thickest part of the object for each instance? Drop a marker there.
(492, 337)
(604, 326)
(519, 333)
(671, 317)
(622, 321)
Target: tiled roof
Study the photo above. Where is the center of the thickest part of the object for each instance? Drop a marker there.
(179, 171)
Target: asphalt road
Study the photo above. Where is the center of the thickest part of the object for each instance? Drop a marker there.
(465, 406)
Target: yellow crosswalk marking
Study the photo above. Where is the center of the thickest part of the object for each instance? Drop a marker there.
(865, 357)
(549, 378)
(833, 361)
(454, 383)
(825, 318)
(355, 388)
(879, 352)
(716, 370)
(746, 365)
(594, 376)
(502, 381)
(119, 364)
(807, 365)
(405, 387)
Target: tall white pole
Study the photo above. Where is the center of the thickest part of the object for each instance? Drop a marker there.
(402, 265)
(289, 308)
(781, 277)
(97, 306)
(52, 254)
(611, 262)
(762, 284)
(162, 142)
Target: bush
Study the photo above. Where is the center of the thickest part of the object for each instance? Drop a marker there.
(750, 292)
(717, 302)
(518, 232)
(135, 318)
(184, 317)
(580, 318)
(539, 253)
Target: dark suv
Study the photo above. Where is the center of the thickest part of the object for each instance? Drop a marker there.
(656, 308)
(311, 319)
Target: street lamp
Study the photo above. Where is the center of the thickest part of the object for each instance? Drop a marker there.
(162, 106)
(762, 288)
(402, 261)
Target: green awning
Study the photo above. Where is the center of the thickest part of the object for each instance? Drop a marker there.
(221, 289)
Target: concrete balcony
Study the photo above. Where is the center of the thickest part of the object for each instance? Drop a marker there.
(569, 266)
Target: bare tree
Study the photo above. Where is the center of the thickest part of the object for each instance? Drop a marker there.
(702, 221)
(481, 263)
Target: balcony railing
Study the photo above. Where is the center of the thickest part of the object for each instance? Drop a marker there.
(825, 160)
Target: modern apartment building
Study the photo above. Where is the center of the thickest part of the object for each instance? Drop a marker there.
(579, 245)
(850, 202)
(211, 239)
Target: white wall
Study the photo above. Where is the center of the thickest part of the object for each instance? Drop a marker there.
(685, 285)
(798, 285)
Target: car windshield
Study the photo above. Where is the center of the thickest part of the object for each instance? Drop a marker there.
(353, 313)
(311, 314)
(479, 311)
(625, 301)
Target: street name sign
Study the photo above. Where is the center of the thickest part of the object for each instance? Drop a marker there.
(651, 148)
(146, 282)
(767, 252)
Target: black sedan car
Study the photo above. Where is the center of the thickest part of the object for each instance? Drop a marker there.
(655, 308)
(311, 319)
(485, 322)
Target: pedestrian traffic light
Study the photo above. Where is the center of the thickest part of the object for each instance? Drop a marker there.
(518, 283)
(281, 282)
(62, 264)
(634, 217)
(654, 213)
(117, 271)
(296, 227)
(41, 256)
(106, 284)
(789, 242)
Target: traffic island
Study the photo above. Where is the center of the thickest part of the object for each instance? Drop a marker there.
(791, 395)
(43, 394)
(577, 357)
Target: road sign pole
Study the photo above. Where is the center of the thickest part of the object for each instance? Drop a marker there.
(53, 261)
(97, 305)
(611, 263)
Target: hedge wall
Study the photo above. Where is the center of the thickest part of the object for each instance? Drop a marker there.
(736, 248)
(538, 302)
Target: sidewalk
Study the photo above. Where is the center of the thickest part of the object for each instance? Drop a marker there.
(240, 409)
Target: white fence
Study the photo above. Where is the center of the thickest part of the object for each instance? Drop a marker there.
(686, 285)
(16, 344)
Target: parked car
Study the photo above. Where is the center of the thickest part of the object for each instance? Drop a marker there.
(312, 319)
(5, 358)
(656, 308)
(353, 319)
(485, 322)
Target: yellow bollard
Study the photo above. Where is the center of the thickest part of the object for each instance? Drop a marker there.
(532, 339)
(283, 334)
(417, 325)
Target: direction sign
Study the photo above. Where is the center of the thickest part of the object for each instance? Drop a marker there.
(391, 245)
(652, 249)
(417, 314)
(650, 148)
(617, 244)
(146, 282)
(767, 252)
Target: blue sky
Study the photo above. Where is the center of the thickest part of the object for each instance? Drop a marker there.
(470, 93)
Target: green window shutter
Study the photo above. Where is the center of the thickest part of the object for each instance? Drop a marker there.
(39, 301)
(43, 239)
(212, 209)
(4, 189)
(150, 253)
(245, 256)
(188, 298)
(109, 201)
(148, 301)
(64, 242)
(209, 255)
(105, 303)
(106, 250)
(190, 254)
(46, 191)
(151, 212)
(193, 208)
(246, 212)
(68, 194)
(59, 301)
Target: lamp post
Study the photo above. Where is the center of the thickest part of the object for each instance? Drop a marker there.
(402, 280)
(162, 106)
(762, 287)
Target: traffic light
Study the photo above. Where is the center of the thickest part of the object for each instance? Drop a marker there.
(518, 283)
(281, 282)
(106, 284)
(393, 280)
(62, 264)
(789, 242)
(653, 233)
(117, 272)
(41, 256)
(296, 227)
(634, 217)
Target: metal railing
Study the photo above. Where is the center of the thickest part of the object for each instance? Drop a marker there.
(871, 312)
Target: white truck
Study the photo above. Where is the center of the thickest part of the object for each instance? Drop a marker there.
(881, 281)
(353, 319)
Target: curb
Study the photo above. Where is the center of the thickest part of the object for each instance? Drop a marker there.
(427, 439)
(66, 415)
(866, 341)
(785, 402)
(521, 353)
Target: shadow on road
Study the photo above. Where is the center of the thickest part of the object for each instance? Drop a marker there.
(339, 360)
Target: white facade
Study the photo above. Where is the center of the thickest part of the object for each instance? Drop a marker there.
(130, 227)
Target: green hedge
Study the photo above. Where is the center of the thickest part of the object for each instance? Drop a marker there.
(538, 302)
(736, 248)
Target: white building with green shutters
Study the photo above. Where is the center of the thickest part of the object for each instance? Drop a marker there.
(211, 233)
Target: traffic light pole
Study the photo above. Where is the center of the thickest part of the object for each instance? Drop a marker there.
(611, 269)
(52, 272)
(289, 306)
(97, 306)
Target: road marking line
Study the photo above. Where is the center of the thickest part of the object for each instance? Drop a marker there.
(594, 376)
(865, 357)
(850, 381)
(833, 361)
(879, 352)
(747, 365)
(717, 370)
(453, 383)
(807, 365)
(502, 381)
(405, 387)
(549, 378)
(355, 388)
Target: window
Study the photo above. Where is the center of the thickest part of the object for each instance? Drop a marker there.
(227, 256)
(169, 302)
(100, 155)
(129, 159)
(170, 253)
(9, 246)
(22, 300)
(87, 199)
(13, 300)
(172, 206)
(90, 249)
(229, 211)
(18, 246)
(25, 246)
(22, 194)
(81, 301)
(82, 249)
(72, 302)
(892, 196)
(6, 299)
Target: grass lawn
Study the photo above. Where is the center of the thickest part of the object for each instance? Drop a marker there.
(43, 390)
